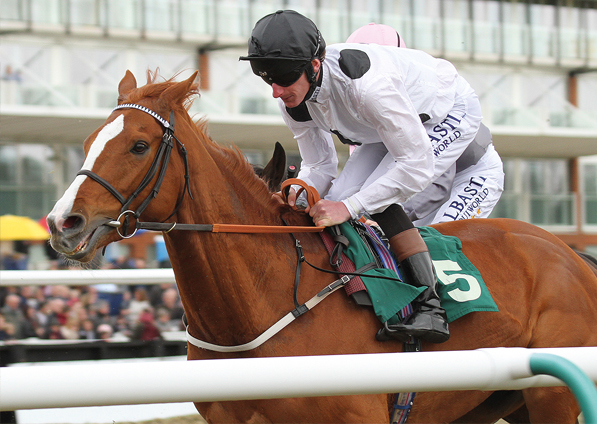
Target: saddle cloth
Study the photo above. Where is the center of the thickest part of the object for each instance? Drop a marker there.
(461, 289)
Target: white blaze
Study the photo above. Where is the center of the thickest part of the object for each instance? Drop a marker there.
(65, 204)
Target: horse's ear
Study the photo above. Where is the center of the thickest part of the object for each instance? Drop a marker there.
(178, 91)
(275, 170)
(127, 84)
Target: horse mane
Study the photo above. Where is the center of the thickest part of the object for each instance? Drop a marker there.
(232, 160)
(590, 260)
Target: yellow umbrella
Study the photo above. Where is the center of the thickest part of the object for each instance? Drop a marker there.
(21, 228)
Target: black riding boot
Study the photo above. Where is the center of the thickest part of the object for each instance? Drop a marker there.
(428, 320)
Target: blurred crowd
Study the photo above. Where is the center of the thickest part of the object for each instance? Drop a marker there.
(101, 311)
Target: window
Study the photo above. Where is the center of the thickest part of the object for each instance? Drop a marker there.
(509, 204)
(551, 203)
(537, 191)
(13, 10)
(397, 14)
(543, 30)
(515, 29)
(123, 14)
(486, 26)
(84, 12)
(571, 32)
(47, 11)
(427, 26)
(589, 181)
(25, 180)
(159, 15)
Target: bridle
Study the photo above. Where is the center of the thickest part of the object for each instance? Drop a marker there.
(160, 161)
(162, 158)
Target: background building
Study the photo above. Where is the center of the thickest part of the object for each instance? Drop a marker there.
(532, 63)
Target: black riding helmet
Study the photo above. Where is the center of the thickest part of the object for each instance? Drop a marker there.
(282, 46)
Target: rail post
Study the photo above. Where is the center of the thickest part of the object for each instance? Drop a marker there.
(579, 383)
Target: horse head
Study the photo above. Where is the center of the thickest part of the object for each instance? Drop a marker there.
(125, 168)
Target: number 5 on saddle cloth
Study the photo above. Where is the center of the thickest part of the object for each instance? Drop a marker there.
(462, 289)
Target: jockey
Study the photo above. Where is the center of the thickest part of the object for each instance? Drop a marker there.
(452, 196)
(403, 109)
(378, 34)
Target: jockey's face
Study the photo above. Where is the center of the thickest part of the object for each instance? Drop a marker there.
(294, 94)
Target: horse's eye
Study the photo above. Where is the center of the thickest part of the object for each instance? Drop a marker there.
(140, 147)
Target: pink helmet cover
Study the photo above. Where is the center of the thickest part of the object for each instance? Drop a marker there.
(376, 34)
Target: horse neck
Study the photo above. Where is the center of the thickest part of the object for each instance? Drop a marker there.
(225, 187)
(231, 285)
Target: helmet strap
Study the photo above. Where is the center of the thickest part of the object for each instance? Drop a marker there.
(313, 79)
(311, 75)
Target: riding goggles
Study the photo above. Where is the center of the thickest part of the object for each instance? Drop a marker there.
(287, 79)
(281, 72)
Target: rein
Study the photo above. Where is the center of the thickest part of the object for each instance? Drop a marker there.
(312, 197)
(162, 158)
(226, 228)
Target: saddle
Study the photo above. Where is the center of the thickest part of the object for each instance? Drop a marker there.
(462, 289)
(354, 244)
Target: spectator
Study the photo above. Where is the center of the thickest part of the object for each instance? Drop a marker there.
(139, 263)
(171, 302)
(101, 314)
(10, 75)
(15, 261)
(90, 297)
(7, 330)
(164, 323)
(13, 314)
(138, 304)
(105, 331)
(122, 262)
(125, 303)
(122, 326)
(155, 293)
(74, 297)
(43, 314)
(53, 332)
(111, 293)
(60, 292)
(29, 296)
(87, 330)
(70, 330)
(146, 328)
(31, 326)
(58, 310)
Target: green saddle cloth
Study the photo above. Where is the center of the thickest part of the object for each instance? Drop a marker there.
(461, 289)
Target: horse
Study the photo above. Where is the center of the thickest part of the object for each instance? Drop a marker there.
(150, 162)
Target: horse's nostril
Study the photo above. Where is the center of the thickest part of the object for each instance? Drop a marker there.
(71, 222)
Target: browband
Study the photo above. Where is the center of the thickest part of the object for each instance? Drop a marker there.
(161, 120)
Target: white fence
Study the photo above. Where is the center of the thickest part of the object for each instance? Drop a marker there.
(84, 277)
(63, 386)
(260, 378)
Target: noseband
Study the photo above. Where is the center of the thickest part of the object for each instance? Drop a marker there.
(161, 160)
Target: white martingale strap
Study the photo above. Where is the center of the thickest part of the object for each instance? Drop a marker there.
(162, 121)
(274, 329)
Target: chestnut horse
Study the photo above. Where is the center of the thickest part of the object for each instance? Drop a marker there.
(234, 286)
